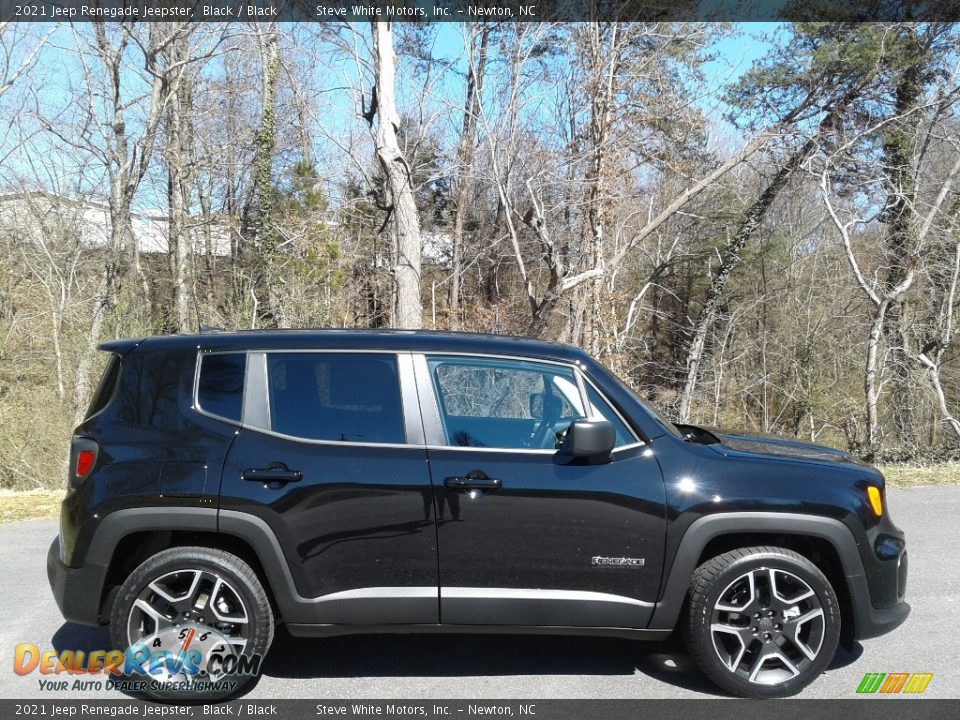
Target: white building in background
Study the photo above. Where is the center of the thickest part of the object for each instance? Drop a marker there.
(25, 213)
(437, 248)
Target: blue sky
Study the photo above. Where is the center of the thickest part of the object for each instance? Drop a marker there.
(58, 72)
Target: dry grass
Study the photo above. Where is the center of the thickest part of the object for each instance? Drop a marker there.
(29, 505)
(908, 475)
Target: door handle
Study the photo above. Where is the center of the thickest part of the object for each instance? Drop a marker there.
(274, 474)
(471, 482)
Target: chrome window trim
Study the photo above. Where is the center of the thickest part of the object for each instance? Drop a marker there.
(521, 451)
(195, 395)
(525, 451)
(337, 351)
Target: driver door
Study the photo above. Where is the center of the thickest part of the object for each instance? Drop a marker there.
(520, 527)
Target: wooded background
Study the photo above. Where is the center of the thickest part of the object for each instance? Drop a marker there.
(775, 250)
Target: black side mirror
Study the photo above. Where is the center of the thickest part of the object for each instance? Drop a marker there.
(590, 439)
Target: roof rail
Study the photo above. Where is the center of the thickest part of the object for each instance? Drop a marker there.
(210, 329)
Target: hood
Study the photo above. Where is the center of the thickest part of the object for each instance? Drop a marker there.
(768, 445)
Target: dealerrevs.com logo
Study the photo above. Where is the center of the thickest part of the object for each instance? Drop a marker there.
(188, 659)
(894, 683)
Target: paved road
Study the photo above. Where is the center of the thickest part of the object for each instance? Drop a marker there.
(511, 667)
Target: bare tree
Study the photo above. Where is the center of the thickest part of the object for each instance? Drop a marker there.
(402, 219)
(125, 155)
(258, 222)
(477, 41)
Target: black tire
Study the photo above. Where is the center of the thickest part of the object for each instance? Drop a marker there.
(238, 578)
(727, 644)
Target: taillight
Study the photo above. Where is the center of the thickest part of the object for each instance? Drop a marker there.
(83, 459)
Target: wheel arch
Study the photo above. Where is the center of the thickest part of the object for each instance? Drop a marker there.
(125, 538)
(826, 542)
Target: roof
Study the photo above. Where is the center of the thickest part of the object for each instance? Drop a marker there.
(336, 339)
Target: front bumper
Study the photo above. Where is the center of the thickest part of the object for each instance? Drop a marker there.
(76, 590)
(871, 622)
(878, 594)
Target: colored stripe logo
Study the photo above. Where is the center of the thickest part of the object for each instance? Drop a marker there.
(894, 683)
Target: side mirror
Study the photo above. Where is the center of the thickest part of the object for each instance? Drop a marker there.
(590, 439)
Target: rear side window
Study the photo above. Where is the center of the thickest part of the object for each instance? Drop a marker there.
(220, 387)
(345, 397)
(108, 383)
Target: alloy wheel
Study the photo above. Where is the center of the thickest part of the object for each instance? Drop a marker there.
(767, 626)
(192, 608)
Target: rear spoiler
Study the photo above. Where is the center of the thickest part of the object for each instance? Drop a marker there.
(121, 346)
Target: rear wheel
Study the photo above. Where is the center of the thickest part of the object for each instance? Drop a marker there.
(194, 620)
(762, 621)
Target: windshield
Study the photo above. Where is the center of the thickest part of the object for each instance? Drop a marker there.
(656, 414)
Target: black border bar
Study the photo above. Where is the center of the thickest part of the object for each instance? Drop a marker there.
(479, 10)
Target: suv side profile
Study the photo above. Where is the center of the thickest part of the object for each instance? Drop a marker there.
(408, 482)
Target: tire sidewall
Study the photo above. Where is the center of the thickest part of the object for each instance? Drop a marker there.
(701, 615)
(240, 576)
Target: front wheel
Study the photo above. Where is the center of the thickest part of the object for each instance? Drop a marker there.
(762, 621)
(194, 622)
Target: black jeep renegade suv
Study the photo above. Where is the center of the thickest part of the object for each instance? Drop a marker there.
(394, 481)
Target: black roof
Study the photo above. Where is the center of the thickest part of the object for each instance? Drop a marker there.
(397, 340)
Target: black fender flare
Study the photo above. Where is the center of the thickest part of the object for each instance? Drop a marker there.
(705, 529)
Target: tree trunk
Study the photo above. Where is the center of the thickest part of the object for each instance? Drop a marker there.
(258, 224)
(871, 384)
(403, 219)
(179, 140)
(899, 146)
(731, 259)
(465, 154)
(600, 117)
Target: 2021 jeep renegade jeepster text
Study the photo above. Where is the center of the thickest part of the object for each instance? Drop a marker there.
(393, 481)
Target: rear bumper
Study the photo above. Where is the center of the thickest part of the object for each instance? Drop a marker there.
(76, 590)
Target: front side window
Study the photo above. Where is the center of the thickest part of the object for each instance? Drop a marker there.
(220, 386)
(512, 404)
(342, 397)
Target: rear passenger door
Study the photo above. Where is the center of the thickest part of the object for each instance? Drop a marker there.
(331, 456)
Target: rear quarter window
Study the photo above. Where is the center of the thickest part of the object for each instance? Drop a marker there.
(220, 386)
(151, 388)
(108, 383)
